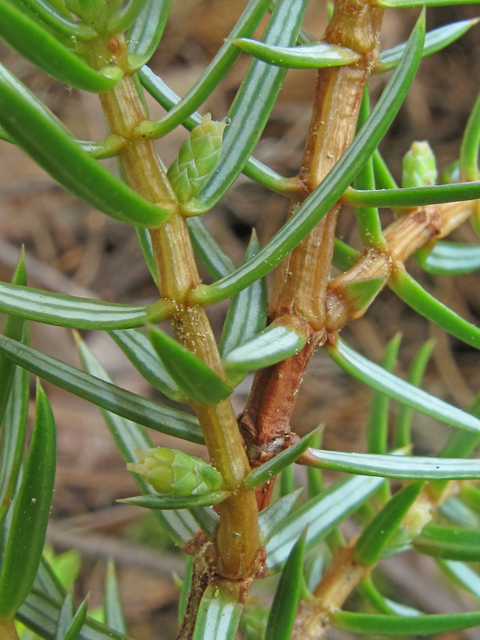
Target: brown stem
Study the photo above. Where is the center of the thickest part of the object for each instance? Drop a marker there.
(263, 421)
(301, 281)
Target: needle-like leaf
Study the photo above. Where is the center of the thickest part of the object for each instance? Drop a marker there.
(218, 615)
(30, 514)
(450, 259)
(459, 445)
(435, 40)
(14, 327)
(383, 177)
(450, 543)
(259, 476)
(247, 313)
(145, 242)
(470, 496)
(386, 625)
(251, 108)
(397, 389)
(329, 191)
(70, 629)
(284, 606)
(128, 437)
(78, 313)
(211, 77)
(162, 502)
(139, 350)
(413, 196)
(35, 43)
(123, 19)
(213, 257)
(369, 591)
(377, 428)
(48, 582)
(195, 378)
(460, 513)
(65, 618)
(40, 613)
(373, 539)
(61, 24)
(322, 514)
(274, 344)
(287, 480)
(271, 518)
(207, 520)
(29, 123)
(13, 436)
(113, 607)
(310, 56)
(421, 301)
(388, 466)
(344, 257)
(185, 590)
(462, 443)
(402, 435)
(145, 35)
(463, 575)
(314, 475)
(368, 220)
(468, 160)
(103, 394)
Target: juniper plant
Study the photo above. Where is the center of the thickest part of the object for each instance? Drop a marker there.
(104, 47)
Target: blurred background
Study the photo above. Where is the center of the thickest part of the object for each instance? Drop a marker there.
(74, 250)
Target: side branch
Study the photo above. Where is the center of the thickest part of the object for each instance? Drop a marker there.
(403, 237)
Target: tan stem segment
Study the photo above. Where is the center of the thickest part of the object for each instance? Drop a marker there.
(178, 275)
(8, 631)
(301, 281)
(403, 237)
(313, 618)
(345, 572)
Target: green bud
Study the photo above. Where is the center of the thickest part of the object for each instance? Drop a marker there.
(172, 472)
(419, 166)
(197, 159)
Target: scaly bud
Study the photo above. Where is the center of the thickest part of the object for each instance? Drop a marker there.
(419, 166)
(172, 472)
(197, 159)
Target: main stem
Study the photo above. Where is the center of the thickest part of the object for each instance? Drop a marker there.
(301, 281)
(237, 540)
